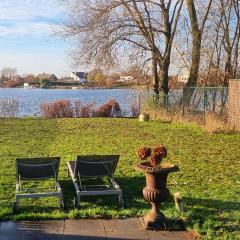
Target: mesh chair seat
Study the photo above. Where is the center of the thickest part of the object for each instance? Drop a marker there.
(31, 169)
(94, 166)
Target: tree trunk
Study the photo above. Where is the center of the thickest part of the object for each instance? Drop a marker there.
(196, 52)
(164, 79)
(155, 75)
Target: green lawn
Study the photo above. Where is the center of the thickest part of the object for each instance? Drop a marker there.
(209, 179)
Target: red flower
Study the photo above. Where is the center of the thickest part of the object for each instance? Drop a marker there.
(161, 150)
(144, 153)
(156, 159)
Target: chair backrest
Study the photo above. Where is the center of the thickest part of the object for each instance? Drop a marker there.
(96, 165)
(37, 168)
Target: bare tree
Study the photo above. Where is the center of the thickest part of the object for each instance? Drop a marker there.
(8, 72)
(105, 29)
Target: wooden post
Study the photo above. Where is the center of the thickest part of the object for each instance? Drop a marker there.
(234, 104)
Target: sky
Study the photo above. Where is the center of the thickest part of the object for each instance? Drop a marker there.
(27, 39)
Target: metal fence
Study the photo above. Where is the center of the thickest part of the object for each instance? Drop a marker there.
(193, 103)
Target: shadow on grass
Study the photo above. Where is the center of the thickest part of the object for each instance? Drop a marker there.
(212, 214)
(207, 213)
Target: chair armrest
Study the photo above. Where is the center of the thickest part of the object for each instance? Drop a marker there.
(114, 183)
(71, 172)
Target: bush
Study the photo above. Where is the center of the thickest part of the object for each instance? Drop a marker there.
(109, 109)
(57, 109)
(64, 108)
(84, 111)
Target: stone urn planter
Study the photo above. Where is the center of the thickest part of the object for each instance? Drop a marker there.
(156, 190)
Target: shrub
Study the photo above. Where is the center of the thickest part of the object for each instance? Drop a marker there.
(57, 109)
(109, 109)
(84, 111)
(64, 108)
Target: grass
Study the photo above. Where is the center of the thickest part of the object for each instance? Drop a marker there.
(208, 179)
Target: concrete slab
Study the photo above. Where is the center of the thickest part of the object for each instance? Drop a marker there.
(116, 229)
(168, 235)
(47, 230)
(84, 229)
(128, 224)
(130, 228)
(51, 226)
(130, 235)
(8, 231)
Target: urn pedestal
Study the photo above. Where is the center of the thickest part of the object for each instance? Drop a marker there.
(156, 192)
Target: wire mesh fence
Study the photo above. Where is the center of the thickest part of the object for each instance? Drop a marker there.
(192, 103)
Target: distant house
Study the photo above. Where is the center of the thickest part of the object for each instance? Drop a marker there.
(80, 77)
(183, 78)
(50, 77)
(126, 79)
(26, 85)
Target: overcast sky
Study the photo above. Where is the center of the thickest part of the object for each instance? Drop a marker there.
(27, 41)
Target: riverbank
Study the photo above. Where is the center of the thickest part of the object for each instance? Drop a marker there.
(209, 188)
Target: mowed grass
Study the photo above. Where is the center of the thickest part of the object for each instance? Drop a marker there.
(209, 177)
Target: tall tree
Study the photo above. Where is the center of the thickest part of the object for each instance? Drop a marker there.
(197, 33)
(105, 29)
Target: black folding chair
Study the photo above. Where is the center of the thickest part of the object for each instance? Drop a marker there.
(94, 166)
(31, 169)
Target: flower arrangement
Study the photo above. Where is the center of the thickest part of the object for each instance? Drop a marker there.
(156, 155)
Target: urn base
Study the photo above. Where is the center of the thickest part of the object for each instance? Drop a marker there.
(154, 222)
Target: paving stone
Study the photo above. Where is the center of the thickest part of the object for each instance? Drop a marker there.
(8, 231)
(129, 224)
(168, 235)
(84, 228)
(82, 237)
(53, 227)
(130, 235)
(130, 228)
(40, 230)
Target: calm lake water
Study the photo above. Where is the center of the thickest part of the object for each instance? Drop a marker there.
(29, 99)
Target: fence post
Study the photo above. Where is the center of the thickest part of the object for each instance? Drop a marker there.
(204, 103)
(183, 103)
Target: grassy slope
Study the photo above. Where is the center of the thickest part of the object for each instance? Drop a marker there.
(208, 180)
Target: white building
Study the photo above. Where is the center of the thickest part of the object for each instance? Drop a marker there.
(26, 85)
(80, 77)
(126, 79)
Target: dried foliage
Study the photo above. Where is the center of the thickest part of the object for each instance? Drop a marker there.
(64, 108)
(110, 109)
(84, 110)
(57, 109)
(156, 156)
(8, 108)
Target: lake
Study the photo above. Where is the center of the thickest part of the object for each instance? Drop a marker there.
(29, 99)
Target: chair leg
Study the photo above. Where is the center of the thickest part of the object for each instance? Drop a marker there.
(77, 201)
(15, 206)
(120, 200)
(61, 202)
